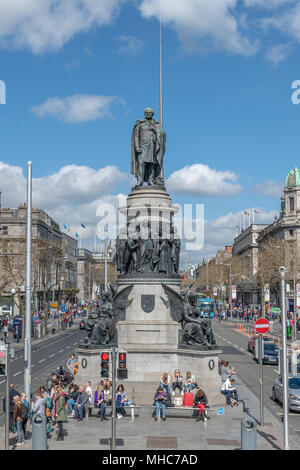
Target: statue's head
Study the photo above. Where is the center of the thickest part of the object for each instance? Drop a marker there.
(149, 113)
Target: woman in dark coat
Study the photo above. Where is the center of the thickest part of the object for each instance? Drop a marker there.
(200, 402)
(60, 411)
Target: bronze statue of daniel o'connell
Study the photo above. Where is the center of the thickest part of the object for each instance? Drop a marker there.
(147, 150)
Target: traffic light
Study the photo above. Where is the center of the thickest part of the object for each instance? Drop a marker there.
(3, 360)
(104, 367)
(122, 367)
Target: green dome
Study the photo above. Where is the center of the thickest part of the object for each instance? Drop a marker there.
(293, 178)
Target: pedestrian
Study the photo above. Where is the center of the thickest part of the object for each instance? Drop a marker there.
(81, 403)
(201, 402)
(60, 411)
(72, 398)
(38, 407)
(17, 418)
(71, 362)
(190, 382)
(177, 382)
(89, 391)
(5, 332)
(50, 382)
(12, 394)
(99, 401)
(229, 389)
(24, 412)
(160, 399)
(121, 399)
(226, 371)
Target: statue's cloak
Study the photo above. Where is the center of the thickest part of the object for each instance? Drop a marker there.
(161, 138)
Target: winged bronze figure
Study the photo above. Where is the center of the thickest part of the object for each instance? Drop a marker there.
(196, 332)
(101, 323)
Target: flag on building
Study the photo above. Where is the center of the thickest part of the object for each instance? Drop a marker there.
(76, 235)
(83, 226)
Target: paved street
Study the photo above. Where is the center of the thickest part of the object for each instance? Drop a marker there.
(47, 355)
(183, 433)
(234, 346)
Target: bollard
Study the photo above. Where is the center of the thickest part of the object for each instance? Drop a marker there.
(39, 432)
(248, 433)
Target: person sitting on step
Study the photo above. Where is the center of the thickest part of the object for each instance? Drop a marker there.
(177, 382)
(200, 402)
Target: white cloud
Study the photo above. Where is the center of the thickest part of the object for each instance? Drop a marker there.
(278, 53)
(267, 4)
(202, 24)
(72, 64)
(130, 45)
(201, 180)
(42, 25)
(70, 196)
(76, 108)
(270, 188)
(221, 232)
(71, 185)
(288, 21)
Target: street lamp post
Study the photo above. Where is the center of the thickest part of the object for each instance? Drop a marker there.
(27, 344)
(284, 362)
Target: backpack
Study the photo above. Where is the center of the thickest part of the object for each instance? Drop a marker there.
(24, 411)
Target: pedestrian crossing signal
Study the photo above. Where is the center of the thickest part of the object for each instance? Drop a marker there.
(122, 366)
(104, 367)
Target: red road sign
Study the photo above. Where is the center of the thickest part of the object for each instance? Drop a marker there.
(262, 326)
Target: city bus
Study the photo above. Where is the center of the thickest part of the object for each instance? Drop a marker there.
(207, 306)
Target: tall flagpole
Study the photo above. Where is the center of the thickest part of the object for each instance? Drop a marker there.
(161, 77)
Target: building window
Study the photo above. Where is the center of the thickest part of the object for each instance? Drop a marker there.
(292, 204)
(291, 233)
(4, 230)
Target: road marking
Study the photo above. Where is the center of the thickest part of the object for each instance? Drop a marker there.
(14, 375)
(52, 355)
(60, 351)
(68, 347)
(74, 344)
(33, 365)
(2, 381)
(42, 360)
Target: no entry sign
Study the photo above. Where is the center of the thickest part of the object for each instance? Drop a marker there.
(262, 326)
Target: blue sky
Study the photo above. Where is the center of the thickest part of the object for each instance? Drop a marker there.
(228, 70)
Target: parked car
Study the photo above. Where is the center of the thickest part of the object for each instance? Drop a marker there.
(251, 342)
(82, 325)
(293, 392)
(271, 353)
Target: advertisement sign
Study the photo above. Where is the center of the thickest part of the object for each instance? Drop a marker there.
(215, 292)
(267, 293)
(233, 292)
(298, 296)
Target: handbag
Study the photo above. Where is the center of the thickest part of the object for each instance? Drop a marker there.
(47, 412)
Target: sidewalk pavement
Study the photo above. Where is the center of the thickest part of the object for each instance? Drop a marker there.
(221, 432)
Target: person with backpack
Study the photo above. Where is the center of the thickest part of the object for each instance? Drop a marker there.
(25, 408)
(38, 407)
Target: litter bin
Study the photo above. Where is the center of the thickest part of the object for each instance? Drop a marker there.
(289, 332)
(248, 433)
(39, 432)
